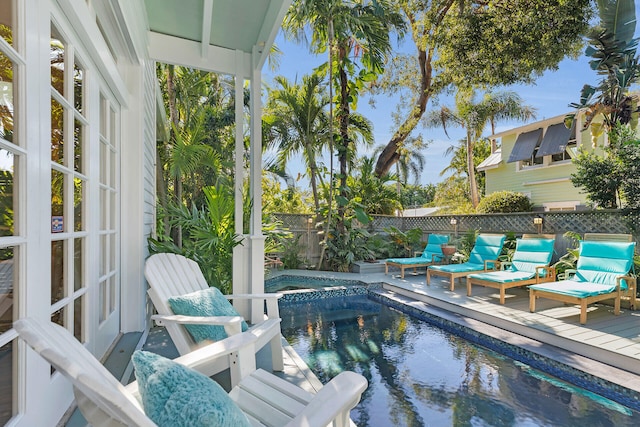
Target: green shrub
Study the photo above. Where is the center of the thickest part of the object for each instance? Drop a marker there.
(504, 202)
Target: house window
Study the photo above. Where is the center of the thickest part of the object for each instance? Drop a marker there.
(571, 149)
(533, 160)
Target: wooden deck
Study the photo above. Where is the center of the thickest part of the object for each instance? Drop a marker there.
(613, 341)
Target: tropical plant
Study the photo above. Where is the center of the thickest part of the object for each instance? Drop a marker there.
(356, 34)
(504, 202)
(408, 241)
(375, 195)
(569, 260)
(612, 47)
(208, 236)
(473, 116)
(297, 122)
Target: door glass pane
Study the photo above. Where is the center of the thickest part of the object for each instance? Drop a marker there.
(78, 265)
(57, 132)
(102, 299)
(56, 56)
(112, 294)
(77, 318)
(6, 382)
(57, 201)
(7, 99)
(7, 193)
(58, 317)
(78, 139)
(57, 271)
(103, 163)
(78, 84)
(78, 185)
(103, 251)
(6, 26)
(6, 289)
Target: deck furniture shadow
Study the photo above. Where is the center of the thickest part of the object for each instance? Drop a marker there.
(483, 257)
(602, 273)
(265, 399)
(529, 265)
(173, 278)
(432, 254)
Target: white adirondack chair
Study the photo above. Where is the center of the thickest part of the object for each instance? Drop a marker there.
(172, 275)
(267, 400)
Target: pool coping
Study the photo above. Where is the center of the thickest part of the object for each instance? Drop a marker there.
(591, 375)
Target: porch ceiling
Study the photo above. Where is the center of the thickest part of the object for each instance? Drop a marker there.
(225, 36)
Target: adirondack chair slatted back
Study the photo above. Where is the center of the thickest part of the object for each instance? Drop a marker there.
(487, 247)
(101, 398)
(172, 275)
(433, 245)
(602, 262)
(531, 253)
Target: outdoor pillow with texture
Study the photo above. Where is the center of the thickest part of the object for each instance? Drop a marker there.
(176, 396)
(205, 302)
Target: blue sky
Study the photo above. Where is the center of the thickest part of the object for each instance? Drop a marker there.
(550, 96)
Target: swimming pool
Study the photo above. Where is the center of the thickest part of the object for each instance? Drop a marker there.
(420, 375)
(292, 283)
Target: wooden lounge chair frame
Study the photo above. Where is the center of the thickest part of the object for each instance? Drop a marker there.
(489, 265)
(543, 273)
(436, 257)
(264, 398)
(583, 302)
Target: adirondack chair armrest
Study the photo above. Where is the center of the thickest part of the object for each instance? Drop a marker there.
(332, 402)
(545, 271)
(271, 299)
(232, 324)
(494, 262)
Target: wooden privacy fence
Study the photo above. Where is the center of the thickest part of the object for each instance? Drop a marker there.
(558, 223)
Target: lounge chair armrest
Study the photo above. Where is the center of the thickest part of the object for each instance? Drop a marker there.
(436, 258)
(567, 274)
(273, 312)
(494, 262)
(332, 402)
(546, 271)
(505, 264)
(632, 287)
(417, 253)
(232, 324)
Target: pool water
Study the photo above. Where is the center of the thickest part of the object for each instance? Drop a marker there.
(420, 375)
(292, 283)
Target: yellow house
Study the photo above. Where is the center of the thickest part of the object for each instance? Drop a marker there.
(536, 160)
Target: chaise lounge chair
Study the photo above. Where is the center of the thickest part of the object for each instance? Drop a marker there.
(195, 314)
(173, 393)
(432, 254)
(529, 265)
(485, 253)
(601, 274)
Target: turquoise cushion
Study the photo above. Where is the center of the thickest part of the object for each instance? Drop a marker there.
(531, 253)
(487, 247)
(433, 247)
(409, 261)
(176, 396)
(206, 302)
(603, 262)
(576, 289)
(458, 268)
(504, 276)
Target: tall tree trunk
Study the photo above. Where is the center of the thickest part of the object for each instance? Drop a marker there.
(426, 49)
(343, 145)
(471, 172)
(173, 118)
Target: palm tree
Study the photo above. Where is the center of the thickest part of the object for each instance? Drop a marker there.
(352, 30)
(298, 123)
(473, 117)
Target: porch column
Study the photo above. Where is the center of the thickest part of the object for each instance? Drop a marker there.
(256, 238)
(241, 251)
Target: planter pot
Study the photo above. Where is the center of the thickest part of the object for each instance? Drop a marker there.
(448, 250)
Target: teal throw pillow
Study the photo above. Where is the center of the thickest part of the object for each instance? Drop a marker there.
(176, 396)
(206, 302)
